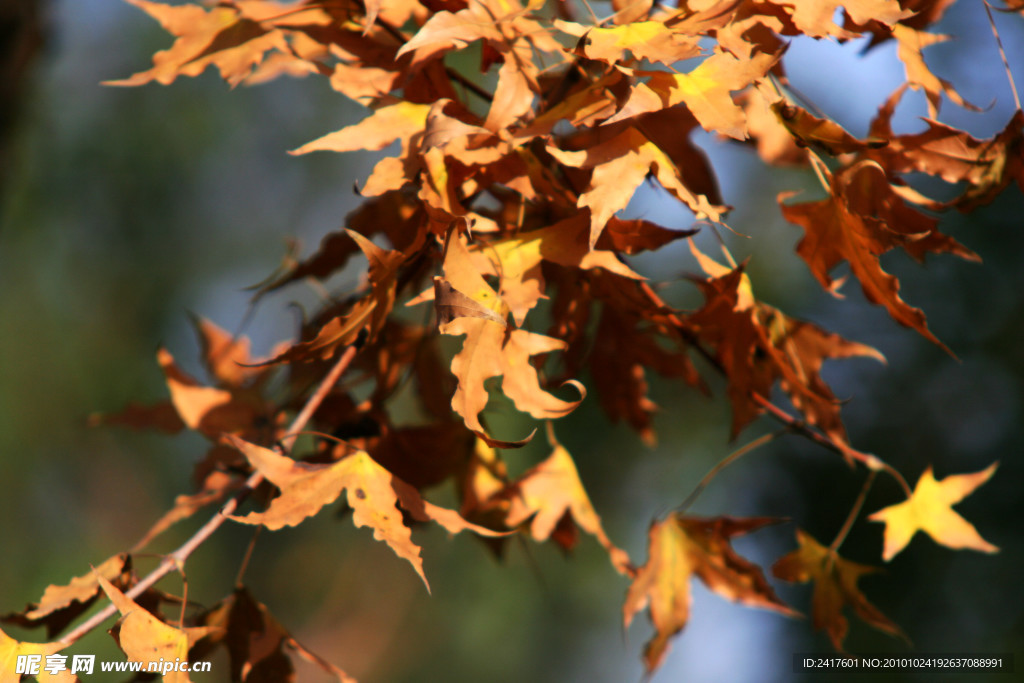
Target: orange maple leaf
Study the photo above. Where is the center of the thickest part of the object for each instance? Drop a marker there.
(619, 166)
(652, 40)
(62, 604)
(680, 547)
(374, 495)
(815, 17)
(919, 76)
(209, 410)
(517, 260)
(930, 509)
(491, 348)
(222, 36)
(549, 495)
(835, 586)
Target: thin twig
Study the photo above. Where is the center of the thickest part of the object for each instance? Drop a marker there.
(177, 558)
(852, 517)
(870, 461)
(1002, 53)
(730, 459)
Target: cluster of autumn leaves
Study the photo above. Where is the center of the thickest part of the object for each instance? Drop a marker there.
(497, 207)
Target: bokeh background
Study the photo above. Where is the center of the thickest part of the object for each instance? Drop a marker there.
(123, 210)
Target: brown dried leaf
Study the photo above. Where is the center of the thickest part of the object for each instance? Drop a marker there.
(210, 410)
(862, 219)
(835, 586)
(256, 642)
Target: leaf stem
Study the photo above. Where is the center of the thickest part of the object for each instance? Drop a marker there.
(1002, 53)
(852, 517)
(177, 558)
(730, 459)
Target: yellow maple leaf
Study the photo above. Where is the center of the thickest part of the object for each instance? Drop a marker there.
(11, 649)
(144, 638)
(930, 509)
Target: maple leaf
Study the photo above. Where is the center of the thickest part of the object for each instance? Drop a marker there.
(517, 260)
(219, 36)
(368, 314)
(680, 547)
(655, 41)
(756, 344)
(835, 586)
(374, 495)
(619, 166)
(930, 509)
(62, 604)
(256, 642)
(863, 218)
(705, 91)
(776, 144)
(391, 213)
(623, 352)
(823, 134)
(228, 359)
(586, 103)
(919, 76)
(447, 30)
(144, 638)
(517, 84)
(815, 17)
(491, 349)
(987, 166)
(210, 410)
(11, 649)
(548, 495)
(399, 121)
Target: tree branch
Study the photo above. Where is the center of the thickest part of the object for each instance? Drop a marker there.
(176, 559)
